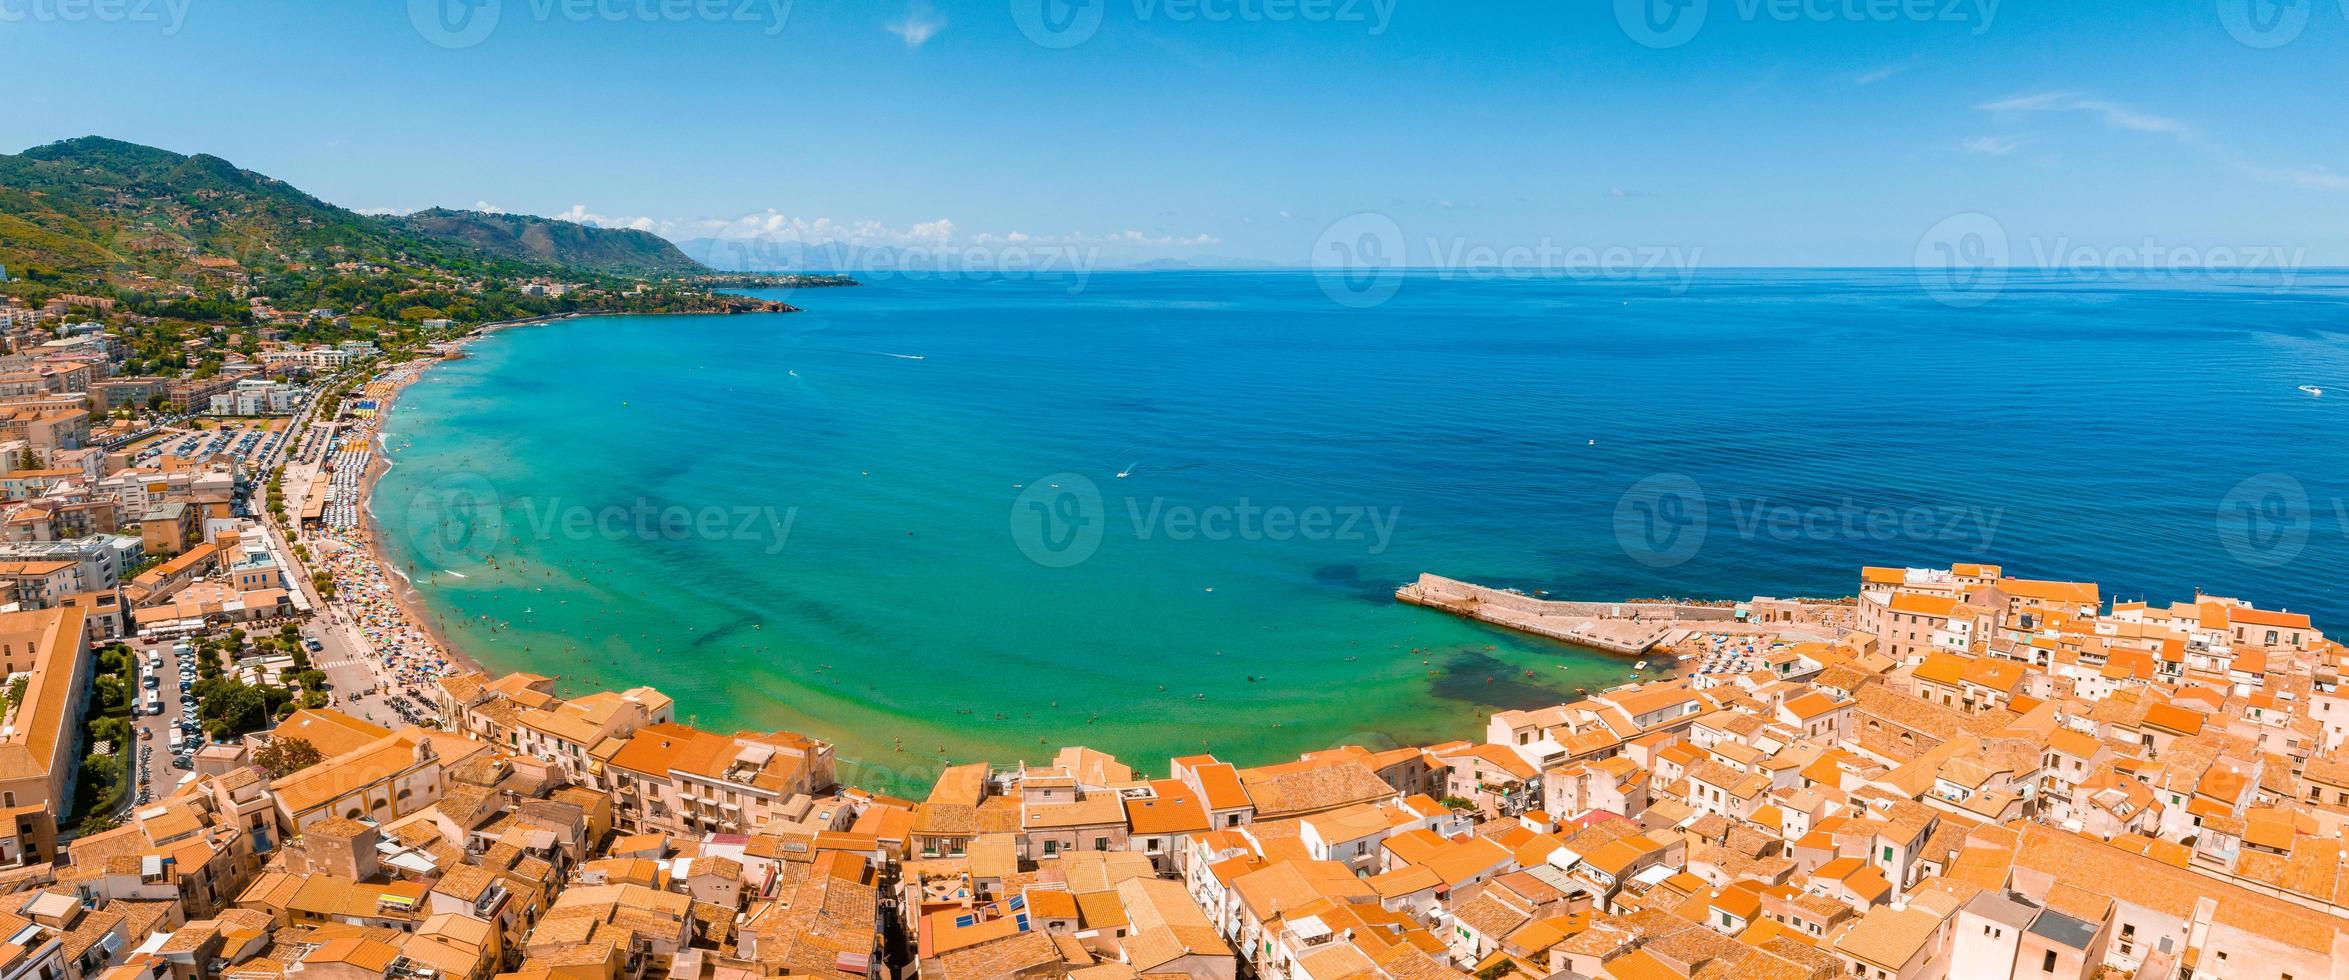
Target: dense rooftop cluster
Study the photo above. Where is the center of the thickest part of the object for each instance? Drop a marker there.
(1981, 777)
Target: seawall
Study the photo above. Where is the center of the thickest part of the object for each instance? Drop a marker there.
(1626, 628)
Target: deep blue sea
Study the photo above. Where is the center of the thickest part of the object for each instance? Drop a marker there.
(896, 519)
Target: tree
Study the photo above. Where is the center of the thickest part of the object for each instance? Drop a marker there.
(25, 460)
(287, 755)
(240, 710)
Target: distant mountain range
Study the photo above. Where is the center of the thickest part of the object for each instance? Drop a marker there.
(529, 238)
(105, 209)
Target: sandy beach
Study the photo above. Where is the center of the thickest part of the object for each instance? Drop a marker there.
(376, 604)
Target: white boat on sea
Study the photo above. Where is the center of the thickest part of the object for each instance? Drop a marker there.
(2313, 390)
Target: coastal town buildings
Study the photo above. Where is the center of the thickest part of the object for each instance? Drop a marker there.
(1955, 773)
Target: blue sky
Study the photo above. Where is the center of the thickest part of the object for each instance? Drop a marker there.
(1797, 132)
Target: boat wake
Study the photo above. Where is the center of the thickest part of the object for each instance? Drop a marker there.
(902, 357)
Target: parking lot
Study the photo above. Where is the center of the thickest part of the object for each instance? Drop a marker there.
(249, 442)
(164, 679)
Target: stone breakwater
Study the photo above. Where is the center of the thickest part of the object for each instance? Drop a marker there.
(1626, 628)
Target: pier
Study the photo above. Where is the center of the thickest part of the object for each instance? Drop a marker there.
(1627, 628)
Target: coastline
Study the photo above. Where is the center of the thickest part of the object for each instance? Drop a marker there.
(1470, 673)
(405, 598)
(1396, 698)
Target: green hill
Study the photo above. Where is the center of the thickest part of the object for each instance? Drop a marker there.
(529, 238)
(107, 211)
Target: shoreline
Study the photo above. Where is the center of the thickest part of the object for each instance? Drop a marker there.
(404, 595)
(413, 606)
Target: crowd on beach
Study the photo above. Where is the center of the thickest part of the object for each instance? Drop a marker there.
(1729, 653)
(402, 654)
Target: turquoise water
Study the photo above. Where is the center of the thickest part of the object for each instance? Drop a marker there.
(869, 546)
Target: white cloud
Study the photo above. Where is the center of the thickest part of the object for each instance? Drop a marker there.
(1873, 76)
(378, 212)
(1996, 146)
(2119, 116)
(2313, 178)
(2113, 113)
(773, 225)
(579, 215)
(777, 226)
(921, 23)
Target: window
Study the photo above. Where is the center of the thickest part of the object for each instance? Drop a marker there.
(2047, 964)
(1051, 848)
